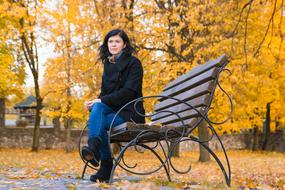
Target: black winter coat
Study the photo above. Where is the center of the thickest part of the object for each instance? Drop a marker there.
(121, 83)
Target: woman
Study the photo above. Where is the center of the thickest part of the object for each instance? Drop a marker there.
(121, 83)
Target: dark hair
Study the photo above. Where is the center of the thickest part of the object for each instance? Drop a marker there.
(103, 49)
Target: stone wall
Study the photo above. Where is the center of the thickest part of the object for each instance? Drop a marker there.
(54, 138)
(50, 138)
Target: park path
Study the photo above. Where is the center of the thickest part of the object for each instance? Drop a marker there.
(16, 178)
(17, 181)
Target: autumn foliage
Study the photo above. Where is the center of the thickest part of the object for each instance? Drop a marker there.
(170, 37)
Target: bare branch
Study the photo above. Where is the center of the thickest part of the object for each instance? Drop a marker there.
(37, 57)
(160, 4)
(240, 16)
(267, 29)
(245, 65)
(152, 48)
(25, 51)
(96, 7)
(239, 21)
(169, 50)
(280, 30)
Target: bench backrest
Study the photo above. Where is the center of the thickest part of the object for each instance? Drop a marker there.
(195, 88)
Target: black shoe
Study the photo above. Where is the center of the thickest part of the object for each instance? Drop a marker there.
(104, 172)
(91, 152)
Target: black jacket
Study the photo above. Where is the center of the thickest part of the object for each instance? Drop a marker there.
(121, 83)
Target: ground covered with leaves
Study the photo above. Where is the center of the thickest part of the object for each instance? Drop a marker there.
(55, 169)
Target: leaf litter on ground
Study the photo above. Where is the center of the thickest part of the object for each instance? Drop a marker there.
(252, 170)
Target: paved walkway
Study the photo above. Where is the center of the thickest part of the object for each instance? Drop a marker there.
(64, 182)
(15, 178)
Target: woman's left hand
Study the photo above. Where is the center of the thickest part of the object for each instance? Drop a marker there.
(88, 104)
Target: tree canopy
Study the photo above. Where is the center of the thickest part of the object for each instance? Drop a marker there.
(170, 38)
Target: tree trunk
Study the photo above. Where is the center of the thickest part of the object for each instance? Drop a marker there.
(56, 123)
(67, 118)
(2, 112)
(29, 48)
(36, 135)
(277, 125)
(67, 126)
(115, 148)
(266, 128)
(203, 134)
(255, 144)
(176, 152)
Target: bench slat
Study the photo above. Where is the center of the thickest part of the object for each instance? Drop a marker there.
(189, 122)
(198, 70)
(183, 116)
(198, 91)
(130, 125)
(128, 131)
(131, 130)
(191, 83)
(174, 109)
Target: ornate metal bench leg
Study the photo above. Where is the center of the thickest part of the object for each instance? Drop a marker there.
(227, 176)
(165, 167)
(85, 166)
(111, 180)
(118, 159)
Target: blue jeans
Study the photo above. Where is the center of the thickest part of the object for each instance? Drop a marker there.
(99, 123)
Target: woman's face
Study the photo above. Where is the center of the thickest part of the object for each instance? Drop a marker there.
(115, 44)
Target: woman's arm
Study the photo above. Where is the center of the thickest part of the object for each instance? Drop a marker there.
(103, 91)
(88, 104)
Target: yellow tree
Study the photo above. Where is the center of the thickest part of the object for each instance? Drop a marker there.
(12, 77)
(28, 39)
(184, 33)
(62, 24)
(11, 69)
(171, 37)
(259, 58)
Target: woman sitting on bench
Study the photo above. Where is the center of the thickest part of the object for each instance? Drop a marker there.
(121, 83)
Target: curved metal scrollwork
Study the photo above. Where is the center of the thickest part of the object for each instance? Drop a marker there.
(79, 149)
(180, 137)
(227, 95)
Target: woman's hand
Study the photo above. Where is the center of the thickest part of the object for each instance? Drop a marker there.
(88, 104)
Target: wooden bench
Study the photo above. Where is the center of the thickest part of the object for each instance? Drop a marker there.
(183, 106)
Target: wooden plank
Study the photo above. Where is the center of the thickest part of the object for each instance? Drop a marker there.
(130, 135)
(132, 130)
(198, 70)
(188, 95)
(191, 83)
(202, 100)
(133, 126)
(183, 116)
(189, 122)
(171, 110)
(129, 130)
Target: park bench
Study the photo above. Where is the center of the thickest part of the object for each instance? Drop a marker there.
(182, 106)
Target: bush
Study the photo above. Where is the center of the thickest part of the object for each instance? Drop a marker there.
(22, 123)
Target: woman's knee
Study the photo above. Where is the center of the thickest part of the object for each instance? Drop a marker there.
(97, 106)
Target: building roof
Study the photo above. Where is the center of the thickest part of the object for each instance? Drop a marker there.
(29, 102)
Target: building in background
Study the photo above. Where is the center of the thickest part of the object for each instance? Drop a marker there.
(27, 111)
